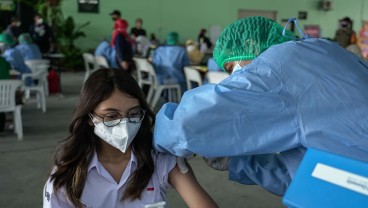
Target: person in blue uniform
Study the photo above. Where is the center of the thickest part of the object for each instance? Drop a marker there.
(104, 49)
(27, 48)
(284, 96)
(13, 56)
(169, 62)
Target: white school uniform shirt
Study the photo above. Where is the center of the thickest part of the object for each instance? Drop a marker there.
(101, 190)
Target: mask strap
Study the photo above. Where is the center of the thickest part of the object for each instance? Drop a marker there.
(304, 36)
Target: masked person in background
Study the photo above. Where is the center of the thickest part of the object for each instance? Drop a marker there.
(195, 56)
(14, 28)
(13, 56)
(345, 35)
(108, 159)
(27, 48)
(42, 34)
(284, 96)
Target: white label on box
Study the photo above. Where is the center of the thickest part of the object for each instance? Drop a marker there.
(341, 178)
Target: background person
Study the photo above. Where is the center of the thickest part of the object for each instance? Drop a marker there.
(27, 48)
(138, 30)
(169, 61)
(204, 42)
(282, 97)
(195, 56)
(104, 49)
(14, 28)
(122, 44)
(13, 56)
(108, 159)
(42, 34)
(345, 35)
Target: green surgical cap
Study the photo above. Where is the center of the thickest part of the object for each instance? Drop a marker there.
(7, 39)
(172, 38)
(246, 38)
(25, 38)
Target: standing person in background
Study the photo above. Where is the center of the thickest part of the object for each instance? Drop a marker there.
(345, 35)
(42, 34)
(204, 42)
(14, 28)
(138, 30)
(116, 17)
(123, 46)
(27, 48)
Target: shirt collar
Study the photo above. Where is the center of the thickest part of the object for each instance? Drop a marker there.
(95, 163)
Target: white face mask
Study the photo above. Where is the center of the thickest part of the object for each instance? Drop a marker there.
(39, 21)
(119, 136)
(191, 48)
(236, 67)
(18, 24)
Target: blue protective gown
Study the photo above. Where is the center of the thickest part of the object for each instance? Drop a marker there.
(295, 95)
(169, 62)
(104, 49)
(29, 51)
(15, 59)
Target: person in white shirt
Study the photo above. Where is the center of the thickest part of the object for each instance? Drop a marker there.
(108, 159)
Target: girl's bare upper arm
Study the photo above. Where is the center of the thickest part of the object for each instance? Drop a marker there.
(189, 189)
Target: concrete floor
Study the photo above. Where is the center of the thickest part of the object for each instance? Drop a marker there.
(24, 164)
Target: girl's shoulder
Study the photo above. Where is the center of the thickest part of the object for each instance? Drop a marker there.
(162, 160)
(164, 163)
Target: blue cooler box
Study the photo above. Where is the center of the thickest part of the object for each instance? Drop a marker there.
(328, 180)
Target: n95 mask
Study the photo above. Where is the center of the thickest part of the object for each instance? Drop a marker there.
(119, 136)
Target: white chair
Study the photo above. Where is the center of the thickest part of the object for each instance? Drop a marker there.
(143, 76)
(40, 65)
(174, 91)
(216, 77)
(101, 62)
(89, 64)
(37, 86)
(192, 75)
(7, 103)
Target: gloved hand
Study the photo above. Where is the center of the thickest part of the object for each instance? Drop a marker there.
(181, 164)
(220, 163)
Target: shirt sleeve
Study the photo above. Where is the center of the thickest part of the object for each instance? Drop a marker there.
(164, 164)
(247, 113)
(53, 200)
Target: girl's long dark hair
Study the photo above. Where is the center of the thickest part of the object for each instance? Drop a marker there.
(76, 151)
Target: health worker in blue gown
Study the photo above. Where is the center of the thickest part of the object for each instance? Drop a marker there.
(27, 48)
(169, 62)
(13, 56)
(104, 49)
(284, 95)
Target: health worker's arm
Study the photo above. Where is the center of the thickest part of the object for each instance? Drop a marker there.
(248, 113)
